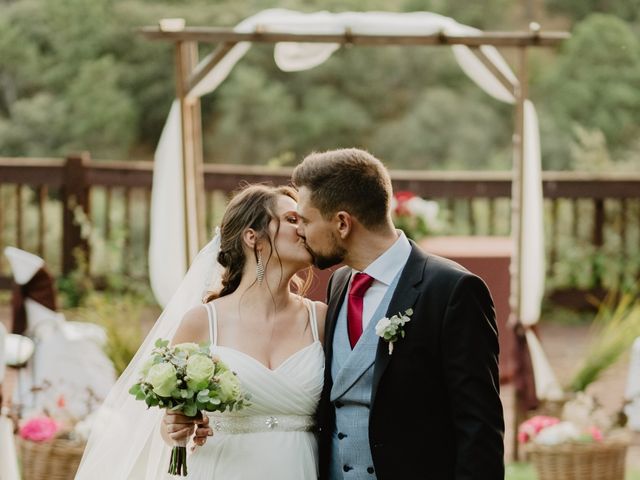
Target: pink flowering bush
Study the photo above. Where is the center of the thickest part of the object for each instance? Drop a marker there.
(39, 429)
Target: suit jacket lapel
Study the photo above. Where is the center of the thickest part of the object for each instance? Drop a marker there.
(337, 294)
(404, 297)
(357, 363)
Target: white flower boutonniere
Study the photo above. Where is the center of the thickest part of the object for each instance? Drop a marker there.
(391, 329)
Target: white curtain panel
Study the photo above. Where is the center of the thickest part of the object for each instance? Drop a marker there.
(167, 254)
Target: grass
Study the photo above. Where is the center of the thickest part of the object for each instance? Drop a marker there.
(525, 471)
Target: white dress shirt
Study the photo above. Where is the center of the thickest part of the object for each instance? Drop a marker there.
(383, 270)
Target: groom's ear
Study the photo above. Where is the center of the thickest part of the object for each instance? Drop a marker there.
(344, 223)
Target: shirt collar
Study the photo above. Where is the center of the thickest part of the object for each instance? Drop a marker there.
(385, 268)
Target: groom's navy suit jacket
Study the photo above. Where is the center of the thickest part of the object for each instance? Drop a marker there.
(435, 407)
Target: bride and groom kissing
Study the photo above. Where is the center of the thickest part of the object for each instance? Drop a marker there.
(396, 377)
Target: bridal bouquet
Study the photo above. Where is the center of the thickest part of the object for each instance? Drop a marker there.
(186, 379)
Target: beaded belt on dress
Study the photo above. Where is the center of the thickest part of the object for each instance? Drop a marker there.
(261, 423)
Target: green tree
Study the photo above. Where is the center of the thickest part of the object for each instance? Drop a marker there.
(579, 9)
(445, 129)
(594, 85)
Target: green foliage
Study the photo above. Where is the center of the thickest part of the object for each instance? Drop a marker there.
(120, 316)
(75, 75)
(578, 9)
(419, 139)
(64, 89)
(594, 87)
(616, 326)
(77, 285)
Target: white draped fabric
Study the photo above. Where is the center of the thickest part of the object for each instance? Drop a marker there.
(632, 392)
(8, 457)
(166, 269)
(167, 254)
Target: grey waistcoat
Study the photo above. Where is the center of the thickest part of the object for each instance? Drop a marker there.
(352, 374)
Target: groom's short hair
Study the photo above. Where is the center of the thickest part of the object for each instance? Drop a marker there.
(347, 179)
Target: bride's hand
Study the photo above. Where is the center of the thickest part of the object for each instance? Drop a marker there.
(203, 430)
(178, 427)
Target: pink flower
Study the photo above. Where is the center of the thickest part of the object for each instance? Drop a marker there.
(595, 433)
(39, 429)
(529, 429)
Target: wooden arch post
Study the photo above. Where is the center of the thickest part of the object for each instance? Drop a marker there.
(186, 59)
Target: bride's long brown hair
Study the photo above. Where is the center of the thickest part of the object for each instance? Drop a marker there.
(254, 206)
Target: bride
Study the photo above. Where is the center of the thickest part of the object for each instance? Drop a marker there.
(267, 334)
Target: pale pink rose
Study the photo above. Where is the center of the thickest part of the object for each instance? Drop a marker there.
(595, 433)
(39, 429)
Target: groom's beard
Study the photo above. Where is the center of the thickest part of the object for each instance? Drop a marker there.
(326, 260)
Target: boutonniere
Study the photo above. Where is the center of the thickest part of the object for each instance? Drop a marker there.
(391, 329)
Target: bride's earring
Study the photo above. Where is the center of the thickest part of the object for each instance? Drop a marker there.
(260, 269)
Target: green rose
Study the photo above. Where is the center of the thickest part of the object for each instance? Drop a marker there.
(221, 367)
(146, 366)
(229, 386)
(163, 379)
(200, 369)
(189, 348)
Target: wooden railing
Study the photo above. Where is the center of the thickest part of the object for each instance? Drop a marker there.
(59, 207)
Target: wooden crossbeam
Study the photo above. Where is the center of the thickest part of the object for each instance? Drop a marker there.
(498, 39)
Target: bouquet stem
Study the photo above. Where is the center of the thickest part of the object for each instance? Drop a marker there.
(178, 463)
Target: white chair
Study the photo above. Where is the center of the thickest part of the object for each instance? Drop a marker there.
(69, 360)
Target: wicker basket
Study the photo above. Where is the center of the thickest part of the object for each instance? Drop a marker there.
(55, 460)
(580, 461)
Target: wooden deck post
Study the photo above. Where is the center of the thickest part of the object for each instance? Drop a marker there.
(517, 222)
(75, 199)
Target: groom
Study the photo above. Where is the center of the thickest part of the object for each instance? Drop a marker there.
(429, 407)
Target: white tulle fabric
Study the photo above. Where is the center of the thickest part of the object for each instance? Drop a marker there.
(290, 391)
(125, 441)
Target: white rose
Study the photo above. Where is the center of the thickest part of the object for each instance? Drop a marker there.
(382, 325)
(427, 209)
(556, 434)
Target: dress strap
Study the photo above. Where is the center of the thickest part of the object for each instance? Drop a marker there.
(213, 323)
(313, 318)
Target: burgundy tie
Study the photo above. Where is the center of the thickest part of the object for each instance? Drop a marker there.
(359, 285)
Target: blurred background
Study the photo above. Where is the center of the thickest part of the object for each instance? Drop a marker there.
(75, 76)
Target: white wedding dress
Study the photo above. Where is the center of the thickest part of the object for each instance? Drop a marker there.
(272, 438)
